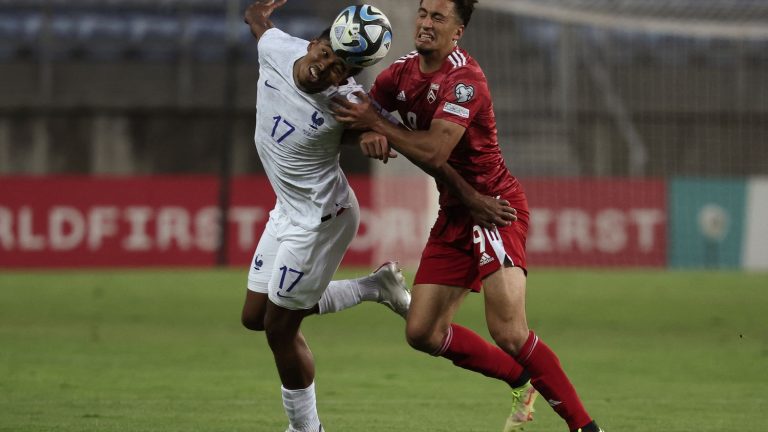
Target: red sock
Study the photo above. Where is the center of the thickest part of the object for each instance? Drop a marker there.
(549, 379)
(466, 349)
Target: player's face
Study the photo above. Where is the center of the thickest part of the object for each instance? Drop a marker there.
(437, 27)
(320, 68)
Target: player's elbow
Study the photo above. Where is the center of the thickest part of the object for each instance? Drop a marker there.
(435, 162)
(437, 167)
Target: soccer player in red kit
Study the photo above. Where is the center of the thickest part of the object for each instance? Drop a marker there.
(442, 95)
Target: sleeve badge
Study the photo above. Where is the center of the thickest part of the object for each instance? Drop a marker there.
(463, 92)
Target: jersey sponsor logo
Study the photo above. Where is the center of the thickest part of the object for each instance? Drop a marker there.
(456, 110)
(266, 83)
(317, 120)
(257, 262)
(463, 92)
(401, 96)
(432, 95)
(485, 259)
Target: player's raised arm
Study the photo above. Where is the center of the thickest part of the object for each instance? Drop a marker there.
(258, 13)
(429, 150)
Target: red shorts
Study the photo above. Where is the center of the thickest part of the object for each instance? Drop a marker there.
(461, 253)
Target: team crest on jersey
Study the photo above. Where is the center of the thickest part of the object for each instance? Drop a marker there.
(463, 92)
(432, 95)
(257, 262)
(317, 120)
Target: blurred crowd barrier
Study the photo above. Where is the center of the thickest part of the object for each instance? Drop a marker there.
(174, 221)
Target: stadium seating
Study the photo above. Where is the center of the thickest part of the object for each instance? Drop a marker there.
(157, 31)
(154, 37)
(19, 34)
(161, 31)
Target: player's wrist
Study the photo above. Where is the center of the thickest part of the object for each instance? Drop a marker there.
(469, 196)
(378, 124)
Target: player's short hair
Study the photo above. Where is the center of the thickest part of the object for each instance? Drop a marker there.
(326, 36)
(464, 9)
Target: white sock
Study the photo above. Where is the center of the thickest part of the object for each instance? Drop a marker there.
(343, 294)
(301, 408)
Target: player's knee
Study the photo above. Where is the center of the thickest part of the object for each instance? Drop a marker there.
(422, 338)
(252, 322)
(510, 340)
(254, 311)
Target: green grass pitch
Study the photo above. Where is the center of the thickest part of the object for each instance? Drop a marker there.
(164, 351)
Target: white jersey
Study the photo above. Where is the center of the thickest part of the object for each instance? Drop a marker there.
(297, 137)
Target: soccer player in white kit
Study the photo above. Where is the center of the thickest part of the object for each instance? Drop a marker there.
(316, 214)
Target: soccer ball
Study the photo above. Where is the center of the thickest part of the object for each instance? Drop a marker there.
(361, 35)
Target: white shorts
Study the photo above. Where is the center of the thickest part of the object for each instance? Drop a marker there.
(294, 265)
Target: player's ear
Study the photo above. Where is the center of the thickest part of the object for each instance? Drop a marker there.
(459, 33)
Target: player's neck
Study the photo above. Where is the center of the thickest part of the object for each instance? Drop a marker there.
(432, 61)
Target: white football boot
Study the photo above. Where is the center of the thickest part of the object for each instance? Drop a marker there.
(393, 293)
(523, 398)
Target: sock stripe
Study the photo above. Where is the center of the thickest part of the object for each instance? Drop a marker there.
(446, 343)
(531, 346)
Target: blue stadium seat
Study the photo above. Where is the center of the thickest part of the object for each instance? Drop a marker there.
(63, 34)
(87, 30)
(10, 28)
(102, 36)
(303, 26)
(154, 37)
(19, 33)
(206, 37)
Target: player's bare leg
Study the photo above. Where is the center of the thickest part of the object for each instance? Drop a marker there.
(295, 366)
(505, 312)
(504, 293)
(509, 329)
(255, 310)
(429, 329)
(429, 319)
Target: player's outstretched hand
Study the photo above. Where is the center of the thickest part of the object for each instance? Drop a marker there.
(489, 212)
(260, 10)
(375, 146)
(359, 115)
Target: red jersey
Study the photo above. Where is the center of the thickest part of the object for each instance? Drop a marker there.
(458, 93)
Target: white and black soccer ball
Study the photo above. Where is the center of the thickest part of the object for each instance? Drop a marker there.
(361, 35)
